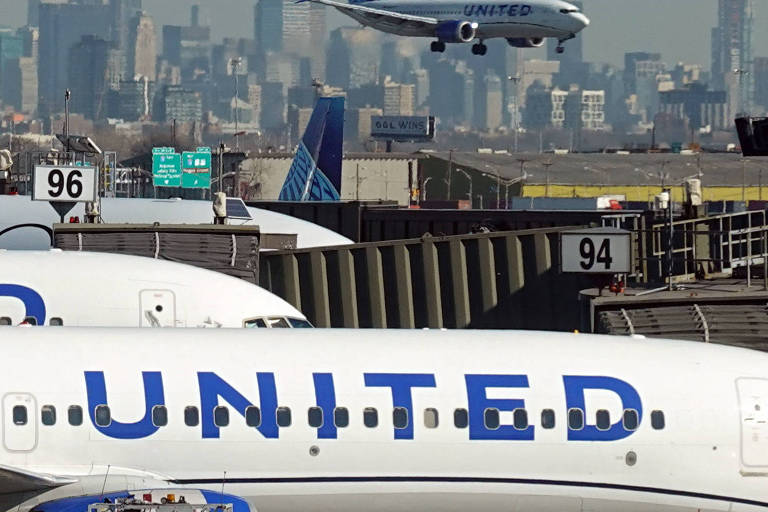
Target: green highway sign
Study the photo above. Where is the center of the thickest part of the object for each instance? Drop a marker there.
(166, 167)
(196, 168)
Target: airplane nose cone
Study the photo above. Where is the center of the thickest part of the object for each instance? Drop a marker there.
(581, 20)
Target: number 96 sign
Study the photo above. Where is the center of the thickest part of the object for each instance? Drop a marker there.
(595, 251)
(63, 183)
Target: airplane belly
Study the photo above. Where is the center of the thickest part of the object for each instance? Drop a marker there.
(501, 29)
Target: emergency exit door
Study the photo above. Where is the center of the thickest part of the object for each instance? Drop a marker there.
(753, 406)
(158, 308)
(19, 422)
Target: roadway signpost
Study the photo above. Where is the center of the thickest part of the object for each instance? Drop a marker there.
(596, 251)
(64, 185)
(166, 167)
(196, 168)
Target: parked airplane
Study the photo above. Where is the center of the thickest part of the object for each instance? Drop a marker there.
(16, 211)
(109, 290)
(365, 420)
(523, 25)
(315, 174)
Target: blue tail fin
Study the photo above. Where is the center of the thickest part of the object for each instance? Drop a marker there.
(315, 174)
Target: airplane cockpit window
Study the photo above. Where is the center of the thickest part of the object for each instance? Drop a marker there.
(657, 420)
(103, 416)
(19, 415)
(278, 323)
(283, 416)
(159, 416)
(569, 11)
(547, 418)
(400, 417)
(221, 416)
(520, 419)
(315, 417)
(191, 416)
(5, 321)
(460, 418)
(253, 416)
(491, 418)
(298, 323)
(370, 417)
(575, 419)
(341, 417)
(56, 322)
(255, 323)
(603, 418)
(430, 417)
(48, 415)
(75, 415)
(629, 419)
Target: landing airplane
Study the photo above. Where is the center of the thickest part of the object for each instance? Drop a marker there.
(365, 420)
(523, 25)
(109, 290)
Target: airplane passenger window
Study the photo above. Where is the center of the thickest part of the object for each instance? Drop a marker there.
(48, 415)
(575, 419)
(491, 417)
(31, 320)
(19, 415)
(430, 417)
(284, 416)
(56, 322)
(657, 420)
(629, 419)
(254, 323)
(159, 416)
(75, 415)
(278, 323)
(370, 417)
(460, 418)
(400, 417)
(221, 416)
(603, 420)
(341, 417)
(103, 416)
(520, 419)
(547, 418)
(315, 417)
(298, 323)
(252, 416)
(4, 320)
(191, 416)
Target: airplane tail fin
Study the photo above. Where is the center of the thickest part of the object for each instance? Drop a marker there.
(315, 174)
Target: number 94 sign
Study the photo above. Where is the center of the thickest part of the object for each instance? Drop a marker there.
(596, 251)
(64, 183)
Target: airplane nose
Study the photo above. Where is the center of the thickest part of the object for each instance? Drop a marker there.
(582, 20)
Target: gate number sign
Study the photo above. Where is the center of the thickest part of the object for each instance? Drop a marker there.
(64, 183)
(596, 251)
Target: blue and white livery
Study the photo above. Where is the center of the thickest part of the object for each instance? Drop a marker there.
(523, 24)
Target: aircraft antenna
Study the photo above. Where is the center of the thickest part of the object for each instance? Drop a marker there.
(221, 501)
(104, 484)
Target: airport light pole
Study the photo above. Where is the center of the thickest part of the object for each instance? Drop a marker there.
(235, 63)
(462, 171)
(424, 187)
(67, 95)
(547, 164)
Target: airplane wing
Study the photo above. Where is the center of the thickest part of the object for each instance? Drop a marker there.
(13, 480)
(380, 18)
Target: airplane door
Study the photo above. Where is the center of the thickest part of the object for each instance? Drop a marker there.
(19, 422)
(753, 406)
(158, 308)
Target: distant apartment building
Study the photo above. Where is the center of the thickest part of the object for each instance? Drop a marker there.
(732, 56)
(357, 123)
(94, 72)
(181, 104)
(11, 49)
(398, 99)
(541, 71)
(491, 106)
(273, 106)
(761, 82)
(255, 100)
(356, 56)
(20, 84)
(592, 110)
(136, 99)
(697, 105)
(576, 108)
(189, 48)
(141, 48)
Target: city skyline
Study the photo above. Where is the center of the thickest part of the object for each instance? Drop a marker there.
(606, 40)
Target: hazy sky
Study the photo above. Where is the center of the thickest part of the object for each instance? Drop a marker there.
(679, 29)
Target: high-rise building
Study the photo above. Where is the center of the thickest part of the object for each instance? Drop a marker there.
(188, 47)
(649, 62)
(398, 99)
(761, 82)
(355, 57)
(61, 27)
(20, 84)
(698, 106)
(141, 51)
(732, 53)
(573, 69)
(181, 104)
(11, 48)
(121, 15)
(94, 74)
(136, 99)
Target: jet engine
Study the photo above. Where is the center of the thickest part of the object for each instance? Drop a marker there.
(456, 31)
(525, 42)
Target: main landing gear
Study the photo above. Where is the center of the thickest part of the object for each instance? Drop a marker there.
(560, 42)
(479, 49)
(437, 46)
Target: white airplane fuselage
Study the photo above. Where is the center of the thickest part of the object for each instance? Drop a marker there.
(449, 433)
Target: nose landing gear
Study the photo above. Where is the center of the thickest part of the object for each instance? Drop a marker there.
(479, 49)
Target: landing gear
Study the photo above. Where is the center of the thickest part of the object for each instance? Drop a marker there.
(479, 49)
(559, 49)
(437, 46)
(560, 42)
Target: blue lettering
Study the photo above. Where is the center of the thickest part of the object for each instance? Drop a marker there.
(574, 398)
(502, 9)
(469, 10)
(401, 384)
(513, 10)
(482, 10)
(325, 397)
(212, 387)
(493, 10)
(525, 10)
(478, 402)
(153, 395)
(33, 302)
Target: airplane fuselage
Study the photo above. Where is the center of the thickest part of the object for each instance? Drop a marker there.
(393, 419)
